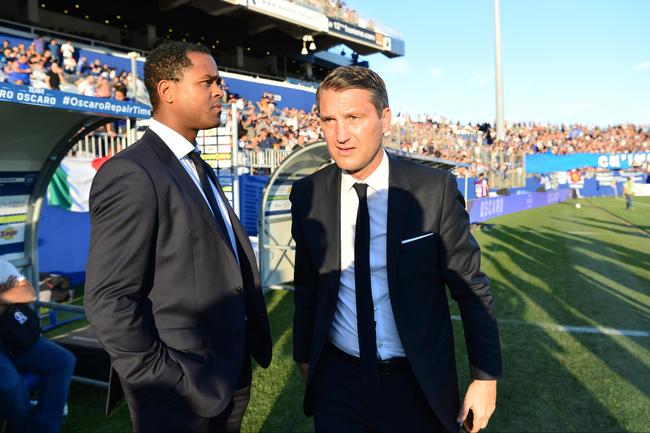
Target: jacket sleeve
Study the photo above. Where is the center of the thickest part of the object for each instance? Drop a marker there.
(119, 275)
(468, 285)
(305, 284)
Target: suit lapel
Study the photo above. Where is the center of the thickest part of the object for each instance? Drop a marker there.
(399, 204)
(326, 212)
(185, 182)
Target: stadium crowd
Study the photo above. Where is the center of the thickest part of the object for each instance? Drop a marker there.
(55, 65)
(58, 66)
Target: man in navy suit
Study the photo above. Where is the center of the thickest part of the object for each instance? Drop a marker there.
(377, 240)
(172, 287)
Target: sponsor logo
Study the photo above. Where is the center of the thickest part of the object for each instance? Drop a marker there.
(491, 207)
(20, 317)
(8, 233)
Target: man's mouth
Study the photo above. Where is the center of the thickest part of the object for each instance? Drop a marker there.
(345, 150)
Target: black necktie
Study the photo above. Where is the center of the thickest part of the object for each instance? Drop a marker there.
(365, 310)
(209, 194)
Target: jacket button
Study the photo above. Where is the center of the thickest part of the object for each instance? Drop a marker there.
(237, 290)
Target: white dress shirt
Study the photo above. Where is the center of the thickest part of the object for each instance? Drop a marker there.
(181, 148)
(344, 327)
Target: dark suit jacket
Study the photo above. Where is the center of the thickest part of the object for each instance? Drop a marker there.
(421, 200)
(164, 292)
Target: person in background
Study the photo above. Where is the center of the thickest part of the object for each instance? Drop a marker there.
(21, 71)
(50, 362)
(54, 77)
(82, 65)
(55, 49)
(39, 45)
(628, 192)
(481, 186)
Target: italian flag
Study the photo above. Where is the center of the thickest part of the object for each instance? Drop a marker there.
(70, 185)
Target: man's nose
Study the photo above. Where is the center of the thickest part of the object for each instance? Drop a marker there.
(342, 132)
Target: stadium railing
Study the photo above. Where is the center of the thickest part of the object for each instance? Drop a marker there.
(101, 145)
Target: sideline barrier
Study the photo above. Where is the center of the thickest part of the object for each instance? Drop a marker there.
(485, 208)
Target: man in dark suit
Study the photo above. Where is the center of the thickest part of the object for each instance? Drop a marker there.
(377, 239)
(172, 290)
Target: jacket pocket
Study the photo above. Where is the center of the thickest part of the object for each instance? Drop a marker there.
(182, 338)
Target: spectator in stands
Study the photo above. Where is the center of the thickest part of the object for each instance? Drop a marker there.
(82, 65)
(39, 71)
(50, 362)
(54, 77)
(96, 68)
(118, 126)
(55, 49)
(103, 88)
(6, 55)
(39, 44)
(266, 140)
(86, 86)
(67, 49)
(21, 71)
(69, 65)
(47, 58)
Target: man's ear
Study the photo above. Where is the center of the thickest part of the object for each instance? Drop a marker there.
(166, 91)
(386, 116)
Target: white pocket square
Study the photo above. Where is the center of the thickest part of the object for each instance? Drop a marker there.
(417, 238)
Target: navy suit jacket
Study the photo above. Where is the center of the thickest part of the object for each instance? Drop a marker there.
(165, 294)
(421, 201)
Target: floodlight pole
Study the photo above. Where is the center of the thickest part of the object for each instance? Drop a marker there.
(134, 73)
(498, 76)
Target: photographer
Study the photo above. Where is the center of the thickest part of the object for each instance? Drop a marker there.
(23, 350)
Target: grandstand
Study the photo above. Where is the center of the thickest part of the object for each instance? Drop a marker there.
(270, 44)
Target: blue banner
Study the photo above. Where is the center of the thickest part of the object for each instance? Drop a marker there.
(485, 208)
(69, 101)
(549, 163)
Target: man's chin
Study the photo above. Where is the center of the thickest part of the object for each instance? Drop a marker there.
(213, 123)
(346, 166)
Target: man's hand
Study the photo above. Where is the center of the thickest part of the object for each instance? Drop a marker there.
(9, 284)
(303, 368)
(12, 282)
(481, 399)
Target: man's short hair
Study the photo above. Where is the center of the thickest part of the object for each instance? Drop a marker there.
(356, 77)
(167, 62)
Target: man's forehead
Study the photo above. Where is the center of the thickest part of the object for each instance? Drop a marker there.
(203, 61)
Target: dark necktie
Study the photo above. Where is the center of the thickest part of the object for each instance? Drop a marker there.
(209, 194)
(365, 310)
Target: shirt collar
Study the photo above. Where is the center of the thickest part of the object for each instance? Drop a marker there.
(377, 181)
(178, 144)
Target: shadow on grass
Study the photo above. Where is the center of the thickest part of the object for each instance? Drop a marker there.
(276, 404)
(553, 286)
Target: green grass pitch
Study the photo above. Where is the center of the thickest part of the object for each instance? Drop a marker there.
(554, 271)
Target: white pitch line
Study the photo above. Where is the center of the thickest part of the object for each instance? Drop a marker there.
(575, 329)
